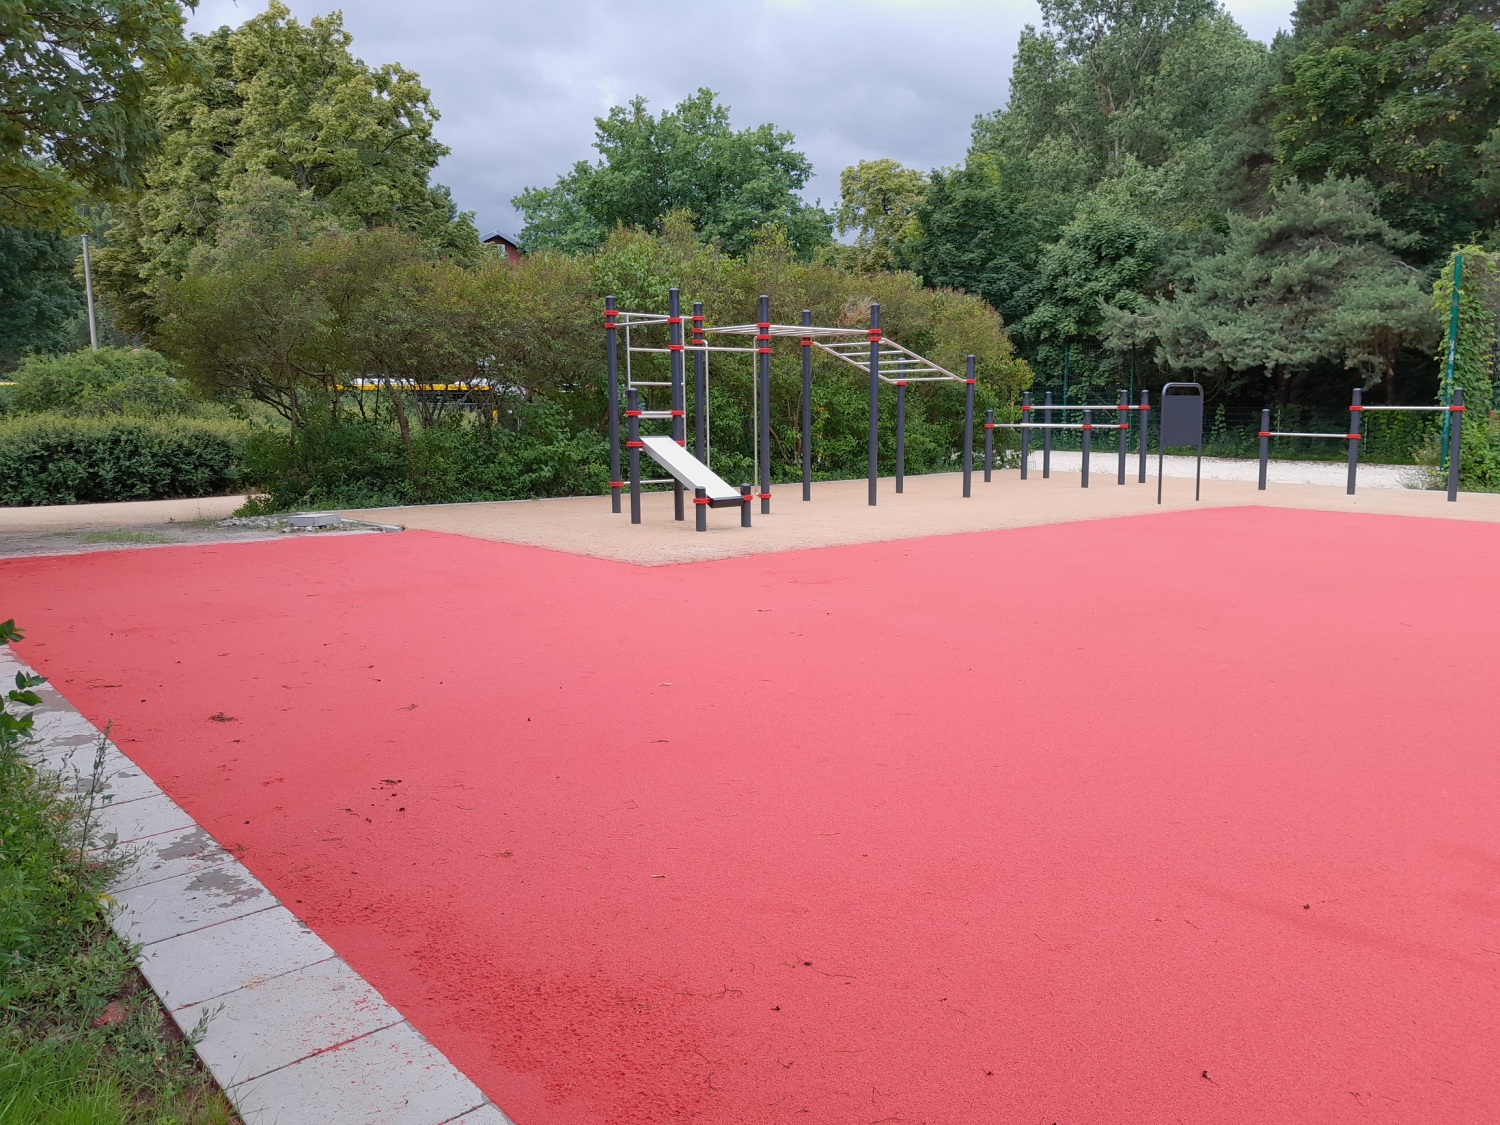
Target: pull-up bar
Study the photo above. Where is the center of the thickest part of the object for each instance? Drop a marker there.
(1122, 409)
(1357, 408)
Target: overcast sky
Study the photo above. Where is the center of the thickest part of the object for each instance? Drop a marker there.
(519, 84)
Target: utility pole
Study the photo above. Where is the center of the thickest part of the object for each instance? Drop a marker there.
(88, 289)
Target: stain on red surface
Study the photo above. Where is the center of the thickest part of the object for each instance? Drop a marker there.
(1034, 825)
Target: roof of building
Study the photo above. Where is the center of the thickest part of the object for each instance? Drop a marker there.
(499, 236)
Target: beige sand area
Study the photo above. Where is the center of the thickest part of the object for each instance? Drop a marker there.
(839, 513)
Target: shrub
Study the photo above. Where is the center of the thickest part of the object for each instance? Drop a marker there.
(55, 459)
(110, 381)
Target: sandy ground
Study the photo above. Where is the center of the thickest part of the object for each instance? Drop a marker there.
(839, 514)
(131, 513)
(1105, 466)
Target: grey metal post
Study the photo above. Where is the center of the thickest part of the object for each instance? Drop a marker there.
(807, 407)
(1123, 420)
(1047, 438)
(700, 507)
(633, 443)
(679, 391)
(745, 498)
(989, 444)
(1088, 441)
(1355, 429)
(874, 400)
(1025, 432)
(968, 424)
(88, 292)
(900, 435)
(1265, 445)
(1455, 442)
(763, 354)
(1143, 430)
(700, 386)
(615, 483)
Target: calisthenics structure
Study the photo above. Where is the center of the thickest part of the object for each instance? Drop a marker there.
(1121, 425)
(883, 360)
(1357, 410)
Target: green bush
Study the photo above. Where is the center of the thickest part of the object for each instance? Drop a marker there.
(55, 459)
(110, 381)
(359, 463)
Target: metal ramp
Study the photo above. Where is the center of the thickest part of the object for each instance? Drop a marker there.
(690, 472)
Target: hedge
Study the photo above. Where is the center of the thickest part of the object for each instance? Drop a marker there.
(53, 459)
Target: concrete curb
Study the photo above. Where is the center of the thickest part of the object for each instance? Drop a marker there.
(291, 1032)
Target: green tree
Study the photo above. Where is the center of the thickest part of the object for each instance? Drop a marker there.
(878, 202)
(1405, 93)
(287, 123)
(1315, 281)
(1474, 359)
(689, 159)
(75, 82)
(39, 299)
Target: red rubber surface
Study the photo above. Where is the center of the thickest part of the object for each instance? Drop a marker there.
(903, 878)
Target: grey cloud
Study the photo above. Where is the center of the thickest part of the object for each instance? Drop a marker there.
(519, 85)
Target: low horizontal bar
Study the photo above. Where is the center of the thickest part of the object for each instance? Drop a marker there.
(1367, 409)
(1057, 426)
(1107, 406)
(1278, 433)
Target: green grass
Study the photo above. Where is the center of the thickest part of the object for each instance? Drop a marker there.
(83, 1041)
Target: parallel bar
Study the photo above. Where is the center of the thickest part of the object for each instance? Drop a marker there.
(700, 387)
(1025, 432)
(807, 407)
(1282, 433)
(1073, 426)
(764, 356)
(900, 435)
(633, 433)
(1144, 432)
(1367, 409)
(1353, 435)
(1124, 432)
(989, 444)
(679, 393)
(1047, 442)
(613, 364)
(874, 452)
(968, 424)
(1088, 440)
(1265, 446)
(1455, 442)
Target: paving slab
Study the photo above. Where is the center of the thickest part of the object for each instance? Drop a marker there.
(273, 1022)
(391, 1077)
(149, 816)
(241, 953)
(484, 1115)
(165, 909)
(167, 855)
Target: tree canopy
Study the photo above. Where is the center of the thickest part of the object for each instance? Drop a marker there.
(1405, 93)
(39, 300)
(286, 126)
(76, 79)
(689, 159)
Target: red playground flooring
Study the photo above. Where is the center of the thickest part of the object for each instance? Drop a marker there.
(1180, 818)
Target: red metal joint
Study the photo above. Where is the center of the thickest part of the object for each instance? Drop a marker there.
(806, 342)
(765, 495)
(674, 320)
(634, 444)
(900, 382)
(616, 484)
(679, 414)
(1455, 410)
(874, 334)
(1353, 408)
(970, 382)
(674, 347)
(1352, 437)
(632, 413)
(1265, 433)
(704, 500)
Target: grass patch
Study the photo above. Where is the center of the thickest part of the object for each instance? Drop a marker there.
(83, 1040)
(124, 537)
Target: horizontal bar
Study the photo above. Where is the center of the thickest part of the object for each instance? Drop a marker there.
(1106, 406)
(643, 383)
(1057, 425)
(1278, 433)
(1369, 408)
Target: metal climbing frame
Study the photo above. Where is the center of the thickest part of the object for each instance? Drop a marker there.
(1357, 409)
(864, 348)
